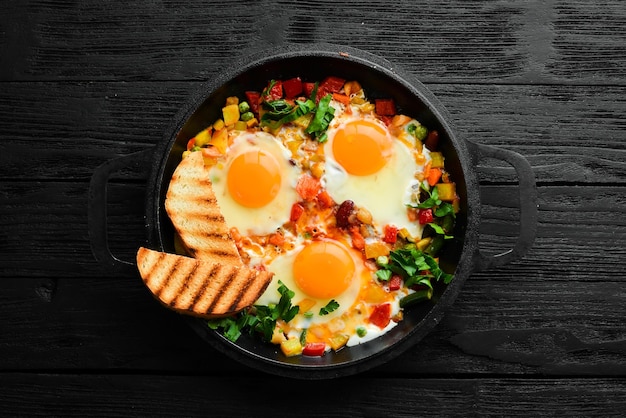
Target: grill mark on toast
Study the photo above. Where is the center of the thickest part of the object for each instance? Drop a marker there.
(171, 271)
(223, 289)
(184, 285)
(157, 260)
(204, 286)
(249, 277)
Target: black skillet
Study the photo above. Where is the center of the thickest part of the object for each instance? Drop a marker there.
(380, 80)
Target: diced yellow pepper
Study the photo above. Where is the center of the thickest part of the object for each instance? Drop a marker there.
(375, 294)
(446, 191)
(338, 340)
(303, 121)
(232, 100)
(252, 122)
(203, 137)
(218, 124)
(306, 305)
(278, 336)
(436, 160)
(231, 114)
(376, 249)
(240, 125)
(291, 347)
(423, 243)
(220, 140)
(405, 234)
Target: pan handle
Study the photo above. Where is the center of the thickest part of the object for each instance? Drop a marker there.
(97, 210)
(527, 201)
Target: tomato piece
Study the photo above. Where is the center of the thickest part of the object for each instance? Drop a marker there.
(391, 234)
(275, 92)
(292, 87)
(296, 211)
(332, 84)
(314, 349)
(395, 283)
(191, 143)
(381, 315)
(253, 98)
(308, 187)
(308, 89)
(425, 216)
(324, 199)
(385, 107)
(358, 242)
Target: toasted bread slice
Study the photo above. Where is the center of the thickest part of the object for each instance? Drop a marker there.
(193, 209)
(200, 287)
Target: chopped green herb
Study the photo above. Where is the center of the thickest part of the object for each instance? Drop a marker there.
(323, 115)
(330, 306)
(261, 319)
(414, 266)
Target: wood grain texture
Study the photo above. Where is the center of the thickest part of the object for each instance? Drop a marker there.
(120, 395)
(479, 41)
(65, 130)
(84, 82)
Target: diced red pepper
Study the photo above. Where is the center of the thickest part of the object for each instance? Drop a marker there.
(253, 98)
(292, 87)
(391, 234)
(308, 187)
(381, 315)
(425, 216)
(385, 107)
(274, 93)
(395, 283)
(296, 211)
(314, 349)
(324, 199)
(387, 120)
(332, 84)
(308, 89)
(191, 143)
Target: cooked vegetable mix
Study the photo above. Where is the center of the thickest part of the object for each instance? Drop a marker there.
(347, 200)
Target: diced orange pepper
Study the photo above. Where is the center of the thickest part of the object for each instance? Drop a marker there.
(324, 199)
(433, 176)
(358, 242)
(341, 98)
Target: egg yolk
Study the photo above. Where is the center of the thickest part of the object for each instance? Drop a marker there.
(362, 147)
(254, 178)
(323, 269)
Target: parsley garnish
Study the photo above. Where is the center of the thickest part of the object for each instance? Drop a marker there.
(330, 306)
(323, 115)
(263, 319)
(414, 266)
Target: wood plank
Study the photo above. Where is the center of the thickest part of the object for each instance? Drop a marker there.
(511, 42)
(569, 134)
(45, 225)
(149, 395)
(553, 323)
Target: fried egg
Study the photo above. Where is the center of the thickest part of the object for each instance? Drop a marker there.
(317, 272)
(365, 163)
(255, 185)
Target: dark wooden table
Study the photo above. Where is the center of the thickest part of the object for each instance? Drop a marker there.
(84, 82)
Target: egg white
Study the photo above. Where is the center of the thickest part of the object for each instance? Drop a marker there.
(385, 193)
(266, 219)
(282, 267)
